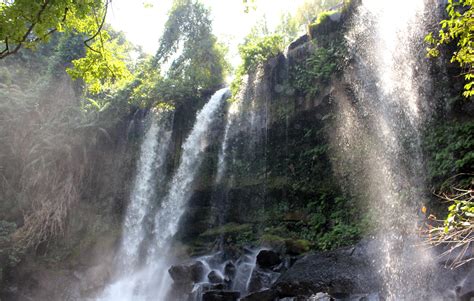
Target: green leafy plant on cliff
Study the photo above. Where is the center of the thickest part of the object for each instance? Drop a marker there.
(255, 51)
(457, 28)
(310, 76)
(450, 163)
(449, 147)
(331, 223)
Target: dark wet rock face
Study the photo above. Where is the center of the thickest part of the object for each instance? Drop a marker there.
(214, 277)
(261, 279)
(263, 295)
(220, 296)
(187, 273)
(343, 272)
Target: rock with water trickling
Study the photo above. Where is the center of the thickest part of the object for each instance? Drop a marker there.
(214, 277)
(218, 295)
(261, 279)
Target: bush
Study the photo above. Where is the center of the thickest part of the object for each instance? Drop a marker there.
(309, 77)
(255, 51)
(449, 147)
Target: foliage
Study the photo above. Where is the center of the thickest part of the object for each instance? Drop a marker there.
(105, 69)
(458, 28)
(309, 76)
(288, 28)
(258, 50)
(47, 136)
(28, 24)
(330, 224)
(195, 59)
(449, 147)
(255, 51)
(144, 89)
(322, 17)
(227, 229)
(310, 9)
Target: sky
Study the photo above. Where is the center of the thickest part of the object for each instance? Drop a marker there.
(143, 24)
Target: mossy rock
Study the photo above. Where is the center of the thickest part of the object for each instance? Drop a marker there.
(297, 247)
(274, 242)
(326, 23)
(227, 229)
(285, 245)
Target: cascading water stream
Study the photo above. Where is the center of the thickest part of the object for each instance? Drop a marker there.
(150, 173)
(380, 132)
(173, 204)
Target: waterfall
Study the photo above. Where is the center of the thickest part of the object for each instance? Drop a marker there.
(143, 265)
(150, 173)
(379, 134)
(173, 205)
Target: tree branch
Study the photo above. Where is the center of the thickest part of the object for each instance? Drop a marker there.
(98, 30)
(6, 53)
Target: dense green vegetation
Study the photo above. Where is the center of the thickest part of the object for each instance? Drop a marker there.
(450, 148)
(458, 29)
(255, 51)
(308, 77)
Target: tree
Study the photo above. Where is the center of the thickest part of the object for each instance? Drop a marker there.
(27, 24)
(309, 11)
(195, 59)
(457, 28)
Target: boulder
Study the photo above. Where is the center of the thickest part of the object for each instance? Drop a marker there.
(187, 273)
(261, 279)
(214, 277)
(341, 272)
(298, 42)
(229, 271)
(268, 259)
(221, 296)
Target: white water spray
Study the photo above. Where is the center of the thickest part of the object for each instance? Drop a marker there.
(380, 134)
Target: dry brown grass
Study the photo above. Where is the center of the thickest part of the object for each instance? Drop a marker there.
(45, 143)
